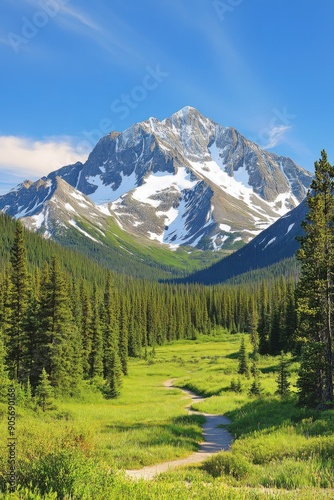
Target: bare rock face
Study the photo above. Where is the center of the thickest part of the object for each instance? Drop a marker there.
(185, 180)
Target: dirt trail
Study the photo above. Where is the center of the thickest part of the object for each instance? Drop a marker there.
(215, 439)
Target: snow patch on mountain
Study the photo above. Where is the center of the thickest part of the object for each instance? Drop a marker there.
(105, 193)
(74, 224)
(69, 207)
(38, 220)
(225, 227)
(289, 228)
(160, 181)
(281, 202)
(175, 232)
(270, 242)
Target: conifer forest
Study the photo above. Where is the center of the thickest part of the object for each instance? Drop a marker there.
(68, 323)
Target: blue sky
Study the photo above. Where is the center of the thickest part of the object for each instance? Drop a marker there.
(73, 70)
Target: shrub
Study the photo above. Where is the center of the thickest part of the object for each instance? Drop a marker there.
(65, 472)
(228, 463)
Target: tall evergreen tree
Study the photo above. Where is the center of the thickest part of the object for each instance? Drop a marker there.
(45, 392)
(283, 384)
(264, 323)
(315, 288)
(85, 329)
(290, 319)
(63, 346)
(311, 379)
(243, 359)
(255, 388)
(96, 357)
(18, 304)
(112, 363)
(123, 337)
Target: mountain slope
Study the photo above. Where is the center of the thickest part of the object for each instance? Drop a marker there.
(185, 180)
(273, 245)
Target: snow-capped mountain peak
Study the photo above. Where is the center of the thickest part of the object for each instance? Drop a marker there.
(185, 180)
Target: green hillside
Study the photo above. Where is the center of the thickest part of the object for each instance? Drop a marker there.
(135, 256)
(118, 251)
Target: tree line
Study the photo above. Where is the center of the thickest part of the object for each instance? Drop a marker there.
(76, 329)
(69, 322)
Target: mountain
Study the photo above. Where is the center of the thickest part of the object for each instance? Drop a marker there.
(182, 181)
(273, 245)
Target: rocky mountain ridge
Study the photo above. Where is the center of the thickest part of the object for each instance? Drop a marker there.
(185, 180)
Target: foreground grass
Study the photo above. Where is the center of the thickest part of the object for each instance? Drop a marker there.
(79, 450)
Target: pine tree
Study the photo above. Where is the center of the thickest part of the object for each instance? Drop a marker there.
(283, 384)
(44, 392)
(38, 328)
(18, 304)
(255, 388)
(264, 323)
(96, 356)
(311, 377)
(236, 386)
(290, 319)
(112, 363)
(243, 359)
(114, 376)
(63, 347)
(316, 287)
(275, 331)
(123, 338)
(85, 329)
(28, 394)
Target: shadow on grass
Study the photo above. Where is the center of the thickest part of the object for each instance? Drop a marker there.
(232, 355)
(268, 413)
(202, 394)
(182, 430)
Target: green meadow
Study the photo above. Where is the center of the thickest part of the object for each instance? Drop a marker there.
(80, 449)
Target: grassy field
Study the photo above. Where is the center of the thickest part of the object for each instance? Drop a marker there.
(80, 449)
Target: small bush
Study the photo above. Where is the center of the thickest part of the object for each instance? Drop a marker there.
(65, 472)
(230, 464)
(235, 386)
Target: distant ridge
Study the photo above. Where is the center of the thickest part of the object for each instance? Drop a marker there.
(273, 245)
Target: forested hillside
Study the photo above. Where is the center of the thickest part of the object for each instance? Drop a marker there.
(120, 253)
(78, 321)
(73, 332)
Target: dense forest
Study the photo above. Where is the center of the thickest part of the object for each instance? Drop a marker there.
(54, 317)
(64, 319)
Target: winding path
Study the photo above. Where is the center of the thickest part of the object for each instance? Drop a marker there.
(215, 440)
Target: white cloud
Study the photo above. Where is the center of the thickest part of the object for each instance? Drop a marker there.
(82, 18)
(273, 136)
(31, 158)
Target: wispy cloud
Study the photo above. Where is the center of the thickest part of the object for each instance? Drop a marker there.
(31, 158)
(61, 8)
(275, 136)
(80, 17)
(117, 41)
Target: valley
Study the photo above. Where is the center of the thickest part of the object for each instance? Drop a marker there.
(166, 250)
(183, 182)
(117, 279)
(279, 451)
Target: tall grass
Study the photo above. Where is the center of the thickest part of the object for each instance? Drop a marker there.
(79, 450)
